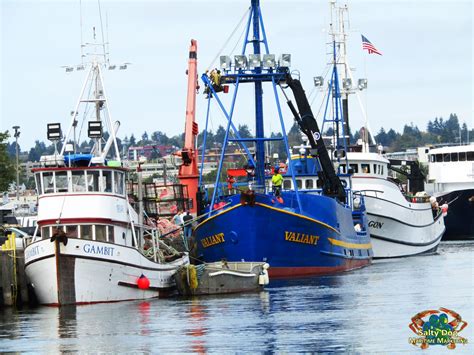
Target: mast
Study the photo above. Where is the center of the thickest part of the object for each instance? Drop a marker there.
(349, 85)
(255, 68)
(188, 170)
(259, 127)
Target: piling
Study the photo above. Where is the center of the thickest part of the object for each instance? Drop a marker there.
(14, 289)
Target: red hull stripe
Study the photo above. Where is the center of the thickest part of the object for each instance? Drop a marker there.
(287, 272)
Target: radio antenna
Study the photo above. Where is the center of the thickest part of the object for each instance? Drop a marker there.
(102, 33)
(80, 23)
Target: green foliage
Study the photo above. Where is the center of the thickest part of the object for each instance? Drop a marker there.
(438, 131)
(7, 167)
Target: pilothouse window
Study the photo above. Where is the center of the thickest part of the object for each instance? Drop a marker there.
(470, 156)
(118, 182)
(45, 234)
(92, 181)
(78, 179)
(71, 231)
(48, 182)
(106, 181)
(86, 232)
(100, 233)
(38, 184)
(365, 168)
(354, 168)
(61, 181)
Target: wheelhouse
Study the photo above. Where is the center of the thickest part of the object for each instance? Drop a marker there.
(103, 180)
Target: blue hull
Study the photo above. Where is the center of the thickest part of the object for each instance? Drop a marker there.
(460, 219)
(320, 241)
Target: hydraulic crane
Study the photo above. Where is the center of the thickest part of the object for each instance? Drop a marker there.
(188, 171)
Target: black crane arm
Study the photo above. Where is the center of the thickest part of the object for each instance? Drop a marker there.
(331, 183)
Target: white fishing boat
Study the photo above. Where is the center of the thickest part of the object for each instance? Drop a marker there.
(451, 180)
(400, 225)
(92, 246)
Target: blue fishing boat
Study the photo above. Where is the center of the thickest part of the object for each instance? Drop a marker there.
(318, 228)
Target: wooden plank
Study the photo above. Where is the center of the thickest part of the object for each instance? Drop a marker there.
(6, 269)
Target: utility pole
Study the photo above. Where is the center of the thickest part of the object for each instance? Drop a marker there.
(16, 135)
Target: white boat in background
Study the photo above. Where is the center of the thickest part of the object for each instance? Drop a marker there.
(399, 225)
(92, 246)
(451, 180)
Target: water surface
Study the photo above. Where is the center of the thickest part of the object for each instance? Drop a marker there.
(366, 310)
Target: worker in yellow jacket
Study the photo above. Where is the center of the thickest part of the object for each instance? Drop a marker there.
(277, 181)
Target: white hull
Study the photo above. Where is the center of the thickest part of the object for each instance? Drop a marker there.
(398, 231)
(86, 271)
(397, 227)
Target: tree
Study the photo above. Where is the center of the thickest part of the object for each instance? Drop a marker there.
(382, 137)
(37, 151)
(160, 138)
(6, 165)
(133, 141)
(220, 135)
(464, 133)
(244, 131)
(451, 133)
(294, 135)
(145, 139)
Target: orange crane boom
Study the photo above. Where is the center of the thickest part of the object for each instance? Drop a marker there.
(188, 171)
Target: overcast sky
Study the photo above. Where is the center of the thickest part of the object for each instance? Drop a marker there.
(426, 70)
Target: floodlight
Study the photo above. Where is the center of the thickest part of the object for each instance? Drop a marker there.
(80, 67)
(255, 61)
(69, 69)
(362, 84)
(318, 81)
(347, 83)
(123, 67)
(240, 62)
(17, 131)
(54, 131)
(94, 129)
(285, 60)
(225, 62)
(69, 148)
(268, 61)
(112, 67)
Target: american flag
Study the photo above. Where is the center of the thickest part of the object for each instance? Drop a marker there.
(369, 46)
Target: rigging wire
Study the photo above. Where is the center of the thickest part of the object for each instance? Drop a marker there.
(229, 38)
(80, 24)
(86, 112)
(102, 31)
